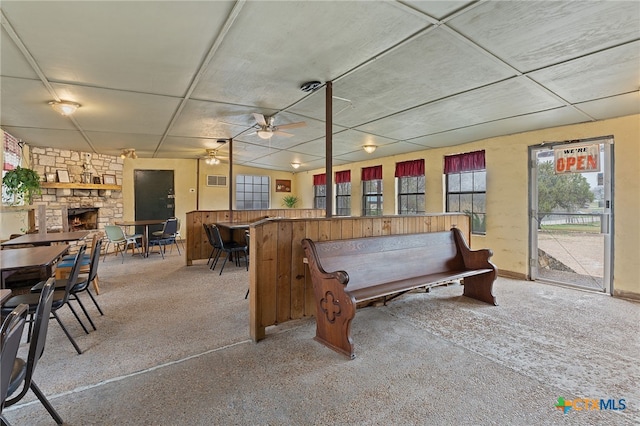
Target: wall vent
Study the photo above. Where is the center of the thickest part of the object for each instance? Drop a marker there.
(216, 180)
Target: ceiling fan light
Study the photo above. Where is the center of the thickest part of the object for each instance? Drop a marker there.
(264, 133)
(64, 107)
(295, 165)
(369, 148)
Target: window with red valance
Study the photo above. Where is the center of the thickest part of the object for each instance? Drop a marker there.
(466, 162)
(410, 168)
(372, 173)
(343, 177)
(320, 179)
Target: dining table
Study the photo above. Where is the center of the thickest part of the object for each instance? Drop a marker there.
(5, 294)
(231, 227)
(145, 223)
(43, 258)
(46, 239)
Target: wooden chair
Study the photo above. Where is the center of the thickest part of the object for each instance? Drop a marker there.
(63, 268)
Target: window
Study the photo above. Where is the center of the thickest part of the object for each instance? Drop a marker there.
(320, 191)
(372, 191)
(467, 187)
(252, 192)
(411, 187)
(12, 155)
(343, 193)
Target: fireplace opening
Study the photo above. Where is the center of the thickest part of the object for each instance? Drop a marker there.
(81, 219)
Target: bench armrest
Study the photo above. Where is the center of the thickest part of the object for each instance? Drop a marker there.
(335, 307)
(473, 259)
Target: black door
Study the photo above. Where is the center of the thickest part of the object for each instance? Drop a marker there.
(154, 196)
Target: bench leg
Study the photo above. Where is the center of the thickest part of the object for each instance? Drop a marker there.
(334, 312)
(480, 287)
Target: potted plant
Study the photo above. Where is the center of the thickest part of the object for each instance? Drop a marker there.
(21, 184)
(290, 201)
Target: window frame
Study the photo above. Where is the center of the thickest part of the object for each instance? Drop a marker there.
(265, 191)
(477, 197)
(417, 194)
(378, 194)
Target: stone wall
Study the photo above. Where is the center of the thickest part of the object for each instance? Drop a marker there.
(49, 160)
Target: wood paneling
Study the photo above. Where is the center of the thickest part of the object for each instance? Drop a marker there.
(280, 284)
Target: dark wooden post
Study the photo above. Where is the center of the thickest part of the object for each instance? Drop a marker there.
(230, 179)
(329, 147)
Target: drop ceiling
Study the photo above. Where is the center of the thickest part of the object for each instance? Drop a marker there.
(170, 78)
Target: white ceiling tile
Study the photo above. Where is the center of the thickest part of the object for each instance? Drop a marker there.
(612, 72)
(151, 47)
(615, 106)
(429, 67)
(290, 43)
(533, 34)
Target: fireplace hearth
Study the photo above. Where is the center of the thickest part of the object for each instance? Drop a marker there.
(84, 218)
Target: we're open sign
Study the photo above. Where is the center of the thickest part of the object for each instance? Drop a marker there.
(578, 159)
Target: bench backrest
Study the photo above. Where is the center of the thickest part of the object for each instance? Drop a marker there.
(376, 260)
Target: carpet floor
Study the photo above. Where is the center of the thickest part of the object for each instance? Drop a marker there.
(173, 348)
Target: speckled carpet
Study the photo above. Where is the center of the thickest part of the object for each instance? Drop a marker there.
(173, 349)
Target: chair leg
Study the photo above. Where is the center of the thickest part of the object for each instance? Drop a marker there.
(96, 285)
(246, 295)
(43, 399)
(95, 302)
(215, 261)
(86, 314)
(77, 317)
(73, 342)
(223, 263)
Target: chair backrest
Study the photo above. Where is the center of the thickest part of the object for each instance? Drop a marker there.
(38, 336)
(114, 233)
(217, 238)
(95, 260)
(10, 336)
(207, 230)
(73, 274)
(170, 227)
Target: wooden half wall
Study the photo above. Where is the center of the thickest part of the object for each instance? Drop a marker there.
(280, 284)
(198, 246)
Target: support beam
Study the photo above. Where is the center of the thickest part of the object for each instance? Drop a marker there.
(329, 147)
(231, 180)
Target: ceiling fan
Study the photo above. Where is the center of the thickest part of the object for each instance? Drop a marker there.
(212, 157)
(267, 128)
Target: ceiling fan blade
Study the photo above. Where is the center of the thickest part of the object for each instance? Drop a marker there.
(292, 125)
(285, 134)
(259, 119)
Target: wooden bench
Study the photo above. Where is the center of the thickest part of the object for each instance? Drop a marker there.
(364, 269)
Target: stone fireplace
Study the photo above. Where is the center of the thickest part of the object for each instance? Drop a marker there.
(87, 207)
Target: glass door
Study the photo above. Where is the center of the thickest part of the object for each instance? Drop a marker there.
(571, 216)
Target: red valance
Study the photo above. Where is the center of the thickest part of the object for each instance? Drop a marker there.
(320, 179)
(466, 162)
(372, 173)
(410, 168)
(343, 177)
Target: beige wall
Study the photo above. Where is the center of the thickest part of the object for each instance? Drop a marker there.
(191, 190)
(508, 193)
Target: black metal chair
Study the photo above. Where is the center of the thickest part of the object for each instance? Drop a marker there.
(247, 240)
(82, 284)
(22, 374)
(167, 236)
(10, 336)
(175, 236)
(229, 248)
(212, 242)
(60, 299)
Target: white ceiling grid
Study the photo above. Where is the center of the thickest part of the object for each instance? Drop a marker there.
(170, 78)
